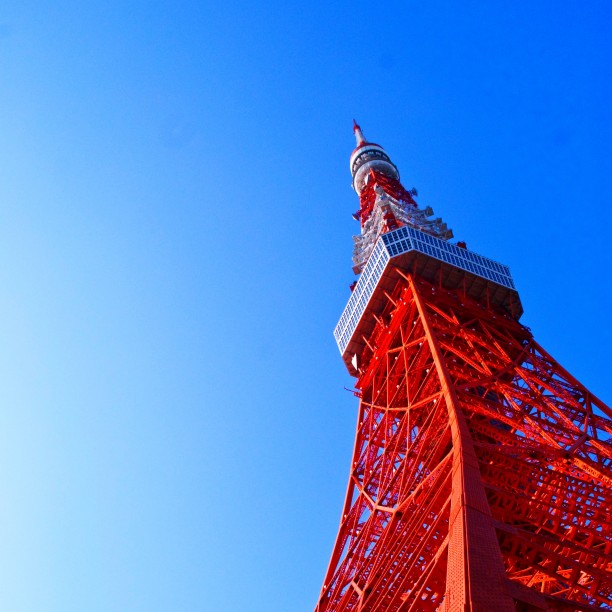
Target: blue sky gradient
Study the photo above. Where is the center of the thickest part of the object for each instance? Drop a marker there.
(175, 250)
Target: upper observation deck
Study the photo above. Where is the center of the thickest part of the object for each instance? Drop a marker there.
(434, 259)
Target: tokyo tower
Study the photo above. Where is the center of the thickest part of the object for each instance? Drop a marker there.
(481, 478)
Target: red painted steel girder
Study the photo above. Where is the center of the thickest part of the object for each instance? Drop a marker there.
(390, 186)
(482, 470)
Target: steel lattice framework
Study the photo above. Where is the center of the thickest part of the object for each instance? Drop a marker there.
(481, 476)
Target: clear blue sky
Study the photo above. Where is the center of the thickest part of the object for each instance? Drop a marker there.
(175, 249)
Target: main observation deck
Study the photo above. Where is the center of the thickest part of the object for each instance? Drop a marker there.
(407, 248)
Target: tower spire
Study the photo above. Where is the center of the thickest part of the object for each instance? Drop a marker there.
(385, 204)
(369, 156)
(359, 137)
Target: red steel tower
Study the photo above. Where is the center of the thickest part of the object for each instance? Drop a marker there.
(481, 478)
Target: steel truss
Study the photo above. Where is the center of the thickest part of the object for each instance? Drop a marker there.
(481, 475)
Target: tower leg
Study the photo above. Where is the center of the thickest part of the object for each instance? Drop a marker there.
(476, 577)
